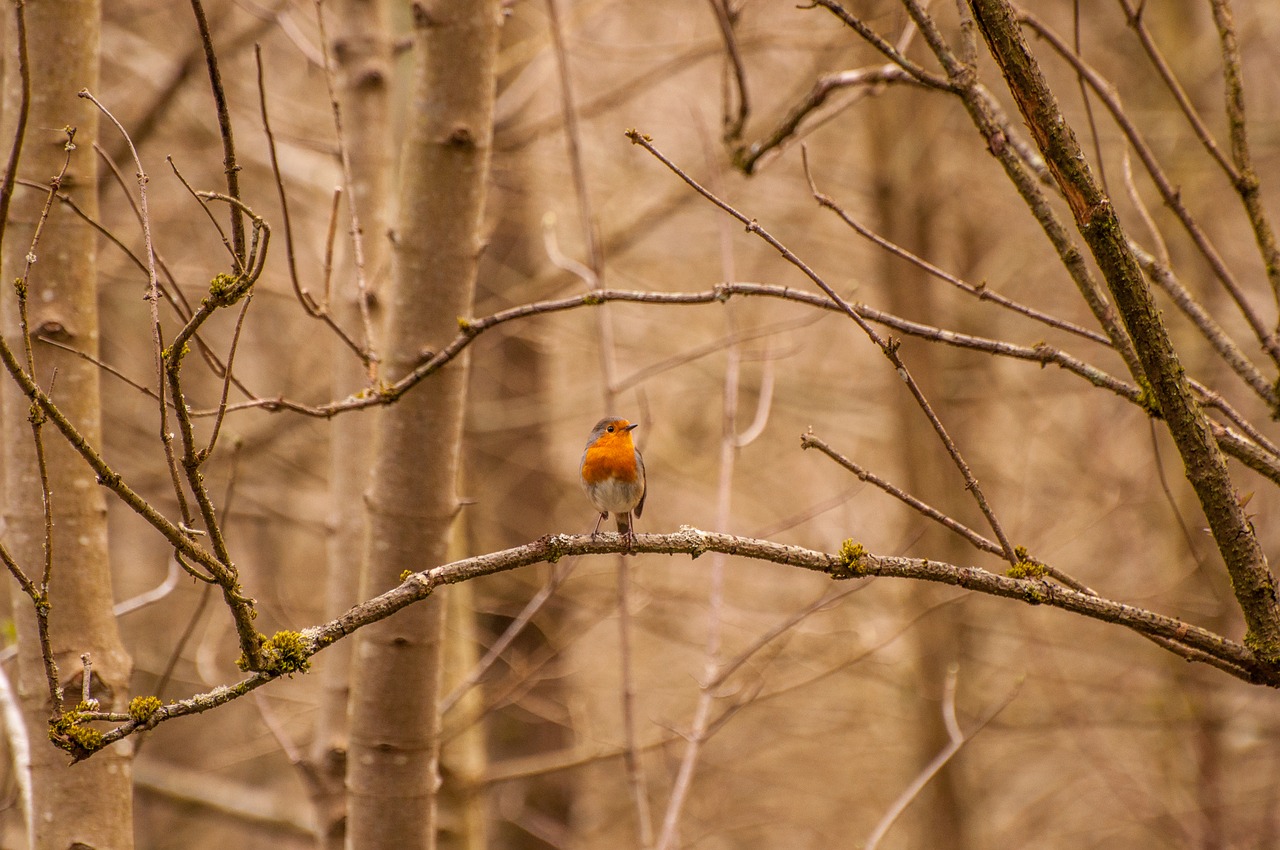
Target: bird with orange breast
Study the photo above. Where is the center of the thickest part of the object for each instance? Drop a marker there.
(613, 474)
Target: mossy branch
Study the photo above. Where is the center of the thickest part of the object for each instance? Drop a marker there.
(291, 651)
(1095, 217)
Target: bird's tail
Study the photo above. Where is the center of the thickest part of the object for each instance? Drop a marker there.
(624, 522)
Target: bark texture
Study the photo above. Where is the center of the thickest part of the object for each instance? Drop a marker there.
(89, 804)
(1203, 461)
(361, 49)
(393, 774)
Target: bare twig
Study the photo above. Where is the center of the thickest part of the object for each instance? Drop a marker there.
(1134, 14)
(152, 596)
(1246, 450)
(230, 167)
(594, 266)
(703, 725)
(169, 289)
(218, 564)
(98, 362)
(1168, 191)
(957, 739)
(809, 440)
(316, 311)
(631, 756)
(1186, 640)
(558, 575)
(982, 293)
(1247, 182)
(7, 181)
(1085, 99)
(21, 284)
(891, 52)
(16, 738)
(888, 347)
(37, 418)
(863, 81)
(226, 381)
(1024, 167)
(734, 119)
(1253, 584)
(330, 239)
(153, 303)
(363, 293)
(86, 681)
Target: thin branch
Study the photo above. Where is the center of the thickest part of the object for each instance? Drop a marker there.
(37, 418)
(230, 167)
(1245, 450)
(304, 298)
(1086, 100)
(865, 82)
(16, 736)
(22, 283)
(880, 43)
(957, 739)
(153, 302)
(101, 364)
(172, 293)
(854, 563)
(631, 756)
(982, 293)
(703, 725)
(595, 263)
(1134, 15)
(152, 596)
(226, 381)
(734, 120)
(1253, 584)
(177, 535)
(330, 239)
(510, 633)
(1026, 169)
(1162, 275)
(1247, 183)
(1170, 193)
(823, 602)
(20, 122)
(363, 293)
(809, 440)
(888, 347)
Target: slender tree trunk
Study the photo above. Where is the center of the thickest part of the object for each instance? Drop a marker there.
(393, 773)
(937, 817)
(89, 804)
(516, 369)
(463, 797)
(361, 48)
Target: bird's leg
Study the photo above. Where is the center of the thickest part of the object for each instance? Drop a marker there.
(626, 527)
(596, 530)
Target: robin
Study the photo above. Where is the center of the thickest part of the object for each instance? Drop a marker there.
(613, 473)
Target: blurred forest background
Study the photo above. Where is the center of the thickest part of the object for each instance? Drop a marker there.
(828, 700)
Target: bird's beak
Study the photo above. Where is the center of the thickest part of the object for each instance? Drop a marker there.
(633, 427)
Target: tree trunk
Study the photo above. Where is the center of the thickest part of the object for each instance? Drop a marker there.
(361, 48)
(89, 804)
(393, 774)
(937, 817)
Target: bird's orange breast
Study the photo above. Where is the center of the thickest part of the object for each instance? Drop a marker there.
(604, 462)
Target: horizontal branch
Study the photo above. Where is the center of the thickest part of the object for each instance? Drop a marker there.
(1242, 447)
(1187, 641)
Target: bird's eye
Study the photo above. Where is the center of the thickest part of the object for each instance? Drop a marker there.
(609, 429)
